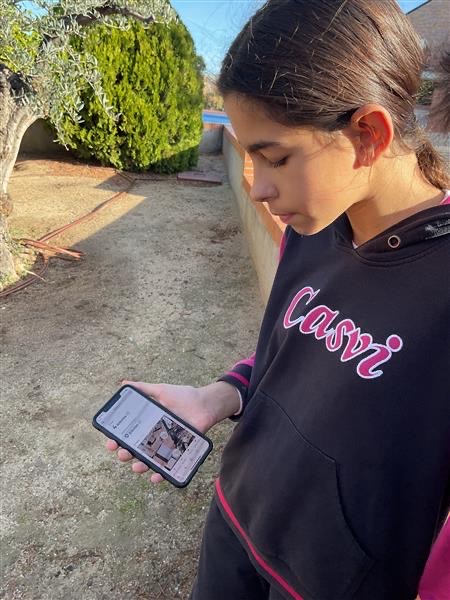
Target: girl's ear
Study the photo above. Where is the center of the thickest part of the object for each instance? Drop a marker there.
(375, 131)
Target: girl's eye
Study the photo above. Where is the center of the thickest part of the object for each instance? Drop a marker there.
(279, 163)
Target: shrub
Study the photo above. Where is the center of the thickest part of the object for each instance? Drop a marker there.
(425, 91)
(153, 81)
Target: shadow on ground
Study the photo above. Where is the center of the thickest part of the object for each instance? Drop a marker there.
(167, 292)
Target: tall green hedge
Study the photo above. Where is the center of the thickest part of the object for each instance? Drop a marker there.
(425, 91)
(152, 79)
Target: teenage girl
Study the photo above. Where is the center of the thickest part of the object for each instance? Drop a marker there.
(335, 484)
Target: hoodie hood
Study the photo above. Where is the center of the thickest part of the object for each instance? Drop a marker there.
(410, 237)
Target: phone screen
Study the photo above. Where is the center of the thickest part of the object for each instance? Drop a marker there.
(153, 433)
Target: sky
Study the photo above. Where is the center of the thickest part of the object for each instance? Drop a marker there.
(215, 23)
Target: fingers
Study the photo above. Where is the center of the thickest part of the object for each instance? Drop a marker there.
(150, 389)
(111, 445)
(139, 467)
(124, 455)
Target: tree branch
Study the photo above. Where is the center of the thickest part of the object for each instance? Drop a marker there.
(106, 10)
(15, 81)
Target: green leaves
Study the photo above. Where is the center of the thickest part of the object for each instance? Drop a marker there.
(38, 45)
(118, 79)
(154, 86)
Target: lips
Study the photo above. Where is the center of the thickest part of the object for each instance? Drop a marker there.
(285, 218)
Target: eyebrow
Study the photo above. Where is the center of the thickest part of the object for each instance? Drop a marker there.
(261, 146)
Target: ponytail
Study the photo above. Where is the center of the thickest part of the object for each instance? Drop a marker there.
(440, 109)
(432, 164)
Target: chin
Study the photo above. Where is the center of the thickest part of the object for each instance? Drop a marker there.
(309, 225)
(308, 228)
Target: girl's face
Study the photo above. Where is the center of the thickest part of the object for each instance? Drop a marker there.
(305, 179)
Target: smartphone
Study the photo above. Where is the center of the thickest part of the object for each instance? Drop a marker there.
(153, 434)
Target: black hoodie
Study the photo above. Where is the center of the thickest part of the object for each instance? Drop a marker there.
(337, 476)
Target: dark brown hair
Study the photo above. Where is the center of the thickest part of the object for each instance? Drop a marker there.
(314, 63)
(440, 110)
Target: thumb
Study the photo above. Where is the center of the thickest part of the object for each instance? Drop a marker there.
(150, 389)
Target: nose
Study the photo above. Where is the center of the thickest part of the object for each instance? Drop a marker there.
(262, 190)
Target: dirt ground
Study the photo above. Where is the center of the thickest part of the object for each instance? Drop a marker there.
(167, 292)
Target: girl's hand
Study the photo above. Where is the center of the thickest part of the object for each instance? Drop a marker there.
(185, 401)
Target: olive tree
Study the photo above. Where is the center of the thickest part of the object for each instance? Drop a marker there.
(42, 75)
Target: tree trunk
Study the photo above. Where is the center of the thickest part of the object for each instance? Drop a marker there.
(15, 118)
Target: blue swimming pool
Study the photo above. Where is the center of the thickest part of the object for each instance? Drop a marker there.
(209, 117)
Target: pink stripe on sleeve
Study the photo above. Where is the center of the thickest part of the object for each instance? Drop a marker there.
(435, 582)
(239, 377)
(248, 361)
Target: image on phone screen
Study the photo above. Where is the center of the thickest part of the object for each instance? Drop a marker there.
(154, 434)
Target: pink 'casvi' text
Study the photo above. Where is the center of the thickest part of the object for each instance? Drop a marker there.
(344, 334)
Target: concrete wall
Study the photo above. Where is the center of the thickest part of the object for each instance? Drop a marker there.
(38, 140)
(211, 138)
(262, 230)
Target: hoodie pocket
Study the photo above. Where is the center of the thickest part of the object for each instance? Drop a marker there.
(285, 494)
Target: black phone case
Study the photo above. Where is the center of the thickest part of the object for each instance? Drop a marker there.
(136, 454)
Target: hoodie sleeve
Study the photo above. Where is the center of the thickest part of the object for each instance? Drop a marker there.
(435, 582)
(239, 375)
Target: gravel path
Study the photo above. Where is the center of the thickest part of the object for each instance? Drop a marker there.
(167, 292)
